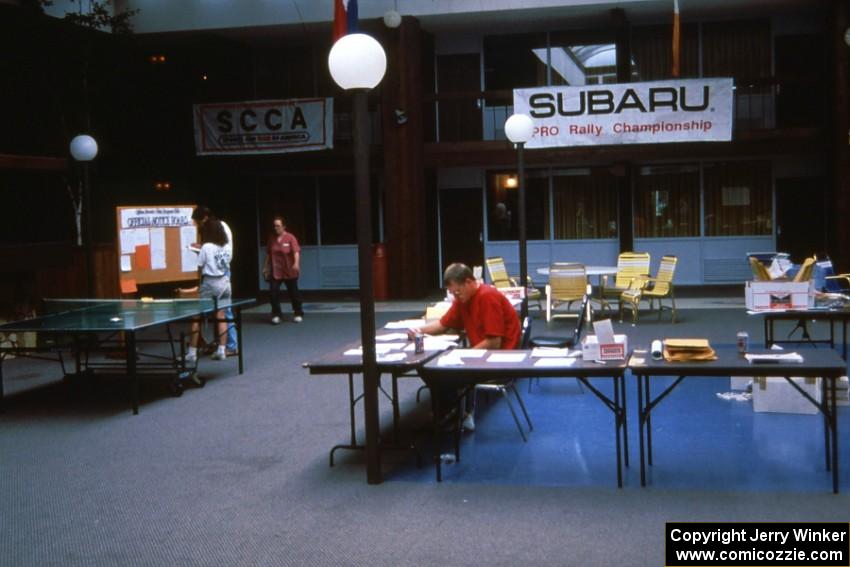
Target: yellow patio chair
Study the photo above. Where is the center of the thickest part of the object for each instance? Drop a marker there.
(500, 278)
(661, 286)
(630, 265)
(567, 283)
(631, 296)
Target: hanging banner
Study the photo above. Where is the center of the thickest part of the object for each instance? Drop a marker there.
(689, 110)
(264, 127)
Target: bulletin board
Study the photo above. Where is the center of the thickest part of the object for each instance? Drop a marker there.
(153, 245)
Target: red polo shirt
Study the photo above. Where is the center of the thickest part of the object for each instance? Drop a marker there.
(488, 313)
(282, 254)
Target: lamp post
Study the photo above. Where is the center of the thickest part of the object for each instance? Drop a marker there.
(357, 63)
(83, 150)
(519, 128)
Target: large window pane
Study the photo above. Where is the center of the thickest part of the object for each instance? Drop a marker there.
(502, 201)
(667, 202)
(293, 198)
(585, 203)
(738, 199)
(514, 61)
(337, 210)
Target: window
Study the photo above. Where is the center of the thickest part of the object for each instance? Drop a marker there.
(514, 61)
(502, 200)
(738, 199)
(293, 198)
(585, 204)
(667, 202)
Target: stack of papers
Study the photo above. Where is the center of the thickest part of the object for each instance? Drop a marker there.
(688, 350)
(774, 358)
(406, 324)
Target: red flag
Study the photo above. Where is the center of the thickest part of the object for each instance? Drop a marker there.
(675, 71)
(345, 18)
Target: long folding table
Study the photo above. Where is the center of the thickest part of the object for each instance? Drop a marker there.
(442, 378)
(833, 316)
(824, 363)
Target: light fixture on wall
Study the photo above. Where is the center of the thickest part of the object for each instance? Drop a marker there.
(846, 36)
(162, 186)
(400, 116)
(511, 182)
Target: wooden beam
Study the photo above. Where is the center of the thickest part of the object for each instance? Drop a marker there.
(42, 163)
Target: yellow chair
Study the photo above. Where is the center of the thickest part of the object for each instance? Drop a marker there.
(567, 283)
(500, 279)
(630, 265)
(631, 296)
(760, 273)
(661, 286)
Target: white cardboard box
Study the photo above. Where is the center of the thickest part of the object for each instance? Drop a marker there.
(775, 394)
(761, 296)
(591, 349)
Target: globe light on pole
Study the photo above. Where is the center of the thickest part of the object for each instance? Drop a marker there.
(519, 128)
(83, 149)
(357, 63)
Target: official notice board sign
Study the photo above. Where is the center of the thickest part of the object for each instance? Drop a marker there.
(687, 110)
(264, 127)
(154, 244)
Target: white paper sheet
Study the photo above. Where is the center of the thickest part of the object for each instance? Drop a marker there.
(126, 265)
(604, 332)
(432, 344)
(405, 324)
(391, 357)
(541, 352)
(469, 352)
(506, 357)
(774, 358)
(132, 237)
(158, 249)
(188, 257)
(449, 360)
(392, 337)
(555, 362)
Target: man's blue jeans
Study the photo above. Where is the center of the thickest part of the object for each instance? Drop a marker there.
(231, 327)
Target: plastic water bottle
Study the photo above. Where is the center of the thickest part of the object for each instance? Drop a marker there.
(743, 341)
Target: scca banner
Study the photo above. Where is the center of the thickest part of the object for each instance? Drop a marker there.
(690, 110)
(264, 127)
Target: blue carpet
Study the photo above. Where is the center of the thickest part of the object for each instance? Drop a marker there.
(699, 442)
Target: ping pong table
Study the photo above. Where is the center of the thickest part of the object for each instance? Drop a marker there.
(112, 326)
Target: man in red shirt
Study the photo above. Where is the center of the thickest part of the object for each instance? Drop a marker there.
(481, 310)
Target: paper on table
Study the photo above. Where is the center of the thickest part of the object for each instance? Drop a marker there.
(126, 266)
(556, 362)
(449, 360)
(406, 324)
(469, 352)
(392, 337)
(604, 331)
(540, 352)
(157, 248)
(432, 343)
(391, 357)
(506, 357)
(785, 357)
(379, 349)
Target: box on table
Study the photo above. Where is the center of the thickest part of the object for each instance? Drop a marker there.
(775, 394)
(778, 295)
(592, 350)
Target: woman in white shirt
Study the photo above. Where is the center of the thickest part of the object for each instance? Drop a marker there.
(214, 267)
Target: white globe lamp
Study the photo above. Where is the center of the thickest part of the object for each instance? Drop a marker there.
(519, 128)
(83, 148)
(357, 61)
(392, 19)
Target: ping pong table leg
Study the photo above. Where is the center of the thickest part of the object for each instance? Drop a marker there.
(131, 370)
(2, 357)
(238, 317)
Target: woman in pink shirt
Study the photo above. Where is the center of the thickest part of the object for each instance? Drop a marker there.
(283, 265)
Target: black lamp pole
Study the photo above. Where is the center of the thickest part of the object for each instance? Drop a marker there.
(523, 252)
(87, 230)
(367, 300)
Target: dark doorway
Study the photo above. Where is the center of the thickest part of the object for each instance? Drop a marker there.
(462, 227)
(800, 217)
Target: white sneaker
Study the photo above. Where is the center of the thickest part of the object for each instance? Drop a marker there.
(298, 318)
(469, 423)
(190, 358)
(218, 355)
(275, 320)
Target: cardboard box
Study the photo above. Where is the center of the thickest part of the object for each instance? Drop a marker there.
(764, 296)
(775, 394)
(592, 350)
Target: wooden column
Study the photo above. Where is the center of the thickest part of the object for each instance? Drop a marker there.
(623, 172)
(405, 222)
(839, 248)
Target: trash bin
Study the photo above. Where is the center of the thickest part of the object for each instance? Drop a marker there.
(379, 271)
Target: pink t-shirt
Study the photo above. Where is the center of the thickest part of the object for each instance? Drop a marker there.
(281, 250)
